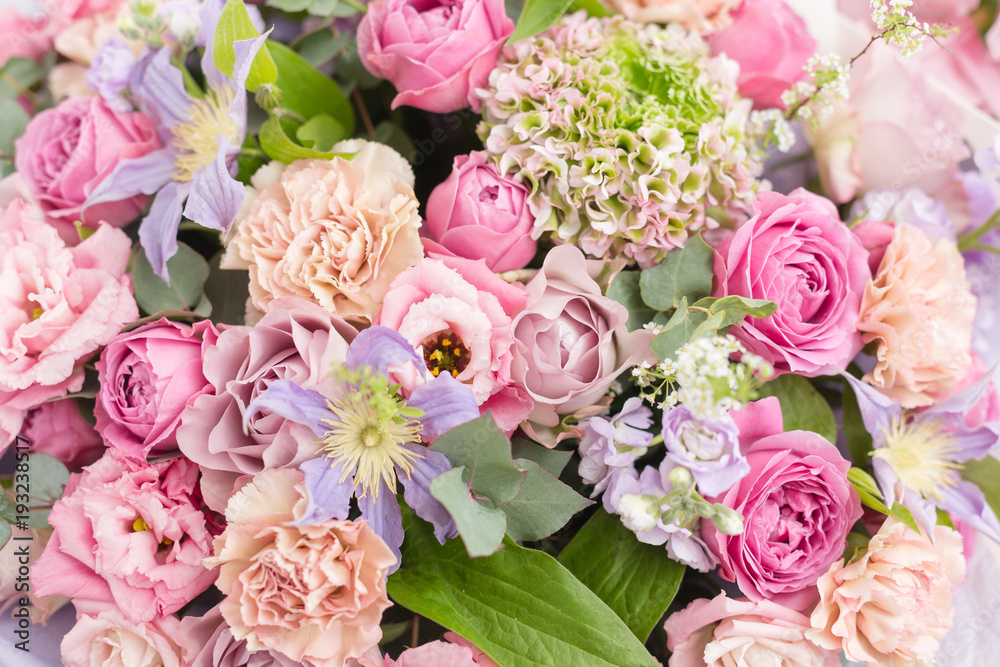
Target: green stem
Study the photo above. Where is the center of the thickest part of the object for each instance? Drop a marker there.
(357, 5)
(254, 153)
(970, 241)
(657, 440)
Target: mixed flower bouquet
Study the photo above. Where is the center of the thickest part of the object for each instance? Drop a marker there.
(447, 333)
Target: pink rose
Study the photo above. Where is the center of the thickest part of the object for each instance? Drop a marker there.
(58, 429)
(129, 535)
(572, 341)
(919, 308)
(66, 152)
(296, 341)
(108, 639)
(875, 236)
(797, 507)
(147, 377)
(435, 53)
(316, 592)
(723, 632)
(796, 252)
(893, 605)
(459, 314)
(771, 44)
(479, 214)
(697, 15)
(60, 305)
(220, 649)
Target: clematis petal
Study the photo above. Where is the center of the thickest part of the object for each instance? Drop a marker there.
(329, 492)
(966, 501)
(159, 87)
(446, 403)
(158, 230)
(384, 516)
(301, 405)
(381, 347)
(216, 197)
(878, 411)
(142, 175)
(417, 490)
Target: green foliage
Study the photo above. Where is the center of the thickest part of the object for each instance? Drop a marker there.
(985, 473)
(685, 273)
(228, 291)
(308, 93)
(707, 317)
(324, 8)
(638, 581)
(519, 605)
(625, 290)
(188, 272)
(15, 120)
(320, 133)
(18, 76)
(234, 25)
(275, 142)
(536, 16)
(871, 497)
(802, 407)
(859, 440)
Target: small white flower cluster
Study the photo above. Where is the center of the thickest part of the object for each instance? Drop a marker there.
(773, 128)
(812, 99)
(703, 377)
(899, 26)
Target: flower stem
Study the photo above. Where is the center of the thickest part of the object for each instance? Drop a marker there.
(363, 111)
(971, 241)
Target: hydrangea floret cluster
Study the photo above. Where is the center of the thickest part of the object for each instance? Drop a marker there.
(630, 137)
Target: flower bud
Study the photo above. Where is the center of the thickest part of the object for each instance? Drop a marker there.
(727, 521)
(638, 512)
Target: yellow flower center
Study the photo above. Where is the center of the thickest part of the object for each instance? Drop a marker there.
(447, 354)
(140, 525)
(921, 455)
(197, 139)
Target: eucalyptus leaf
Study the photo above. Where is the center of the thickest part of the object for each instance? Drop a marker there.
(187, 270)
(48, 479)
(485, 453)
(8, 508)
(5, 534)
(678, 330)
(737, 308)
(480, 526)
(802, 407)
(625, 290)
(552, 460)
(542, 505)
(684, 273)
(234, 25)
(307, 92)
(322, 46)
(15, 120)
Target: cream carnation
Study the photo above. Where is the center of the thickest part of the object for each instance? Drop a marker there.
(892, 606)
(919, 308)
(334, 232)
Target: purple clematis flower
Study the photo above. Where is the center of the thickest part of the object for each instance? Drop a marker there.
(919, 455)
(369, 437)
(193, 174)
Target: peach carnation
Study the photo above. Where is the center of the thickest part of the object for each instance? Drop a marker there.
(314, 593)
(919, 308)
(334, 232)
(892, 606)
(699, 15)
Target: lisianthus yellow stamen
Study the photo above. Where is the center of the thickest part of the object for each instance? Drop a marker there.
(368, 443)
(921, 454)
(197, 139)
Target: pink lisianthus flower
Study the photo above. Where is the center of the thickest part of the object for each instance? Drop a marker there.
(459, 314)
(59, 306)
(314, 592)
(130, 535)
(58, 429)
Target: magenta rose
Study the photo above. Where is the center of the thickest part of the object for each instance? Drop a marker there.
(771, 44)
(796, 252)
(478, 213)
(797, 508)
(147, 377)
(572, 341)
(130, 535)
(67, 151)
(58, 429)
(296, 340)
(436, 53)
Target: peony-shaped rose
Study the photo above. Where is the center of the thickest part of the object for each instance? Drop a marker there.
(147, 377)
(220, 649)
(67, 151)
(893, 605)
(459, 314)
(771, 44)
(797, 507)
(796, 252)
(109, 639)
(130, 535)
(698, 15)
(316, 592)
(58, 429)
(919, 308)
(723, 632)
(436, 53)
(334, 232)
(296, 341)
(60, 305)
(572, 341)
(477, 213)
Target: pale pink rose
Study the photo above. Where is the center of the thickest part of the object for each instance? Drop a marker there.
(893, 605)
(218, 647)
(697, 15)
(23, 37)
(58, 429)
(58, 305)
(334, 232)
(296, 340)
(67, 151)
(129, 535)
(13, 565)
(900, 132)
(147, 377)
(919, 308)
(458, 313)
(771, 44)
(572, 341)
(436, 53)
(723, 632)
(315, 593)
(108, 639)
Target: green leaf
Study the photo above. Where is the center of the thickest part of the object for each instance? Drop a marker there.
(307, 92)
(519, 605)
(393, 631)
(862, 481)
(228, 290)
(536, 16)
(802, 407)
(187, 270)
(5, 534)
(480, 526)
(592, 7)
(15, 120)
(552, 460)
(322, 46)
(638, 581)
(736, 308)
(8, 508)
(290, 6)
(871, 496)
(48, 479)
(678, 330)
(320, 133)
(18, 76)
(234, 24)
(485, 452)
(542, 505)
(275, 142)
(684, 272)
(859, 440)
(984, 473)
(625, 290)
(901, 513)
(249, 161)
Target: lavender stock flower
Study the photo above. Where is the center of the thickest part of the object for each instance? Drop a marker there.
(710, 449)
(609, 446)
